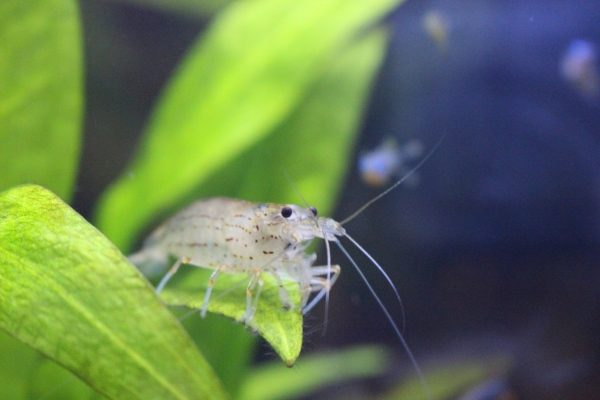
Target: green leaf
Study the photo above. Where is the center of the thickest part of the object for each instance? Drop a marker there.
(69, 293)
(51, 381)
(15, 364)
(314, 144)
(226, 345)
(243, 79)
(41, 93)
(26, 374)
(282, 329)
(271, 382)
(450, 380)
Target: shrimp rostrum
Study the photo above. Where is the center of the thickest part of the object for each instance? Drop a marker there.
(236, 237)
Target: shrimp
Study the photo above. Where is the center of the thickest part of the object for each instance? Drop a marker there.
(240, 237)
(236, 236)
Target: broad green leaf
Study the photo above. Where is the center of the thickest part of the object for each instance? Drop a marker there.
(243, 79)
(41, 93)
(69, 293)
(313, 372)
(342, 92)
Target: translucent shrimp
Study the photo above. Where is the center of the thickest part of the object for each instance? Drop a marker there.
(239, 237)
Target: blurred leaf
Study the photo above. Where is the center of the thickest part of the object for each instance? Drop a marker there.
(26, 374)
(15, 365)
(314, 144)
(185, 8)
(51, 381)
(69, 293)
(448, 381)
(225, 344)
(313, 372)
(41, 93)
(240, 81)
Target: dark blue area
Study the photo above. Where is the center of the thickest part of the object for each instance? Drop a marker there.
(499, 242)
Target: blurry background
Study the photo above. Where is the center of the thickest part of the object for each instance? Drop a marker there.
(495, 248)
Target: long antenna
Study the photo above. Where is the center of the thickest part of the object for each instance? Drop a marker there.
(412, 358)
(373, 200)
(386, 276)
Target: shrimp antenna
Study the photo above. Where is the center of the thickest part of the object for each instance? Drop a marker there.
(391, 321)
(327, 247)
(409, 173)
(291, 182)
(387, 277)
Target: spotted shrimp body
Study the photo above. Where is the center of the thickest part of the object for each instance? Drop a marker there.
(236, 236)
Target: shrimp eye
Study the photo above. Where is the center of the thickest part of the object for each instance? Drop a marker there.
(286, 212)
(313, 210)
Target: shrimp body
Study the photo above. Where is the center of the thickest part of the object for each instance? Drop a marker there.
(235, 236)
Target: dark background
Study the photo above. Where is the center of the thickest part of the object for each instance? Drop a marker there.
(496, 249)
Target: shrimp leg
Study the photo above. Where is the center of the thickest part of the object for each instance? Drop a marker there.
(209, 288)
(250, 304)
(321, 284)
(172, 271)
(283, 293)
(211, 281)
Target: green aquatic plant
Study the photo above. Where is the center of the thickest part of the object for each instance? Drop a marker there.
(267, 85)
